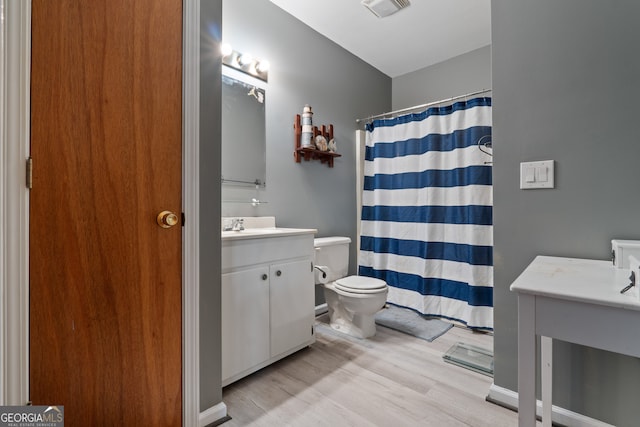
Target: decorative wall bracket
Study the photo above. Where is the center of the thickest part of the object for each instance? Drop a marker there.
(311, 153)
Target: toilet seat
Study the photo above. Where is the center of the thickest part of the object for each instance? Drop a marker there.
(359, 285)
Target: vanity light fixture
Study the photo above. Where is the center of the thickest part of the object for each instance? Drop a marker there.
(244, 62)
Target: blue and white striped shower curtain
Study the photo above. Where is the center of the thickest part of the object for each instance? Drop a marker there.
(427, 227)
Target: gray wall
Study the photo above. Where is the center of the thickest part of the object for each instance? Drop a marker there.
(566, 80)
(306, 68)
(462, 74)
(210, 111)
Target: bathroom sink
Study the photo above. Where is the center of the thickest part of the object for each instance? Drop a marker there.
(256, 233)
(259, 227)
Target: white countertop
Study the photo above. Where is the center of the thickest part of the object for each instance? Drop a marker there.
(258, 233)
(584, 280)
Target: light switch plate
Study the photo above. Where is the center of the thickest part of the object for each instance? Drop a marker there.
(541, 172)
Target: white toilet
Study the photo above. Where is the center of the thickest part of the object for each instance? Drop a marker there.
(353, 301)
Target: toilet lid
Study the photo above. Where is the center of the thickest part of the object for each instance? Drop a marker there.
(361, 284)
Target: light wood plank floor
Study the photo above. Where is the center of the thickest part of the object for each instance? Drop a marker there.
(392, 379)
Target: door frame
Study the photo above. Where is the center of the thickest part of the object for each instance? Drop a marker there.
(15, 43)
(15, 64)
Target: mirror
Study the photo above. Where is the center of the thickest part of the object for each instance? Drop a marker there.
(243, 131)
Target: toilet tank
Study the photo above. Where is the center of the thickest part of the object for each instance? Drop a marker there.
(333, 252)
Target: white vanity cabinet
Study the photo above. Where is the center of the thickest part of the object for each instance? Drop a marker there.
(267, 298)
(245, 320)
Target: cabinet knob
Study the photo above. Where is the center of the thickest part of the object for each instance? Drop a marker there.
(278, 273)
(265, 277)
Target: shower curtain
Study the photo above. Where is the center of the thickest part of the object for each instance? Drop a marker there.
(426, 226)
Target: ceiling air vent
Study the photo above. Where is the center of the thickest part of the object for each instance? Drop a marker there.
(382, 8)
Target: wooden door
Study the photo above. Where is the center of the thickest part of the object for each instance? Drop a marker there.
(105, 278)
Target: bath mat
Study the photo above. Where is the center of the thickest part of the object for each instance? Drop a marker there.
(412, 323)
(470, 357)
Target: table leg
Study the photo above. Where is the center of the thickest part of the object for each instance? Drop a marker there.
(526, 360)
(546, 376)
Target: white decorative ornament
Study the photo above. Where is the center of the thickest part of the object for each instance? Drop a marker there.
(321, 143)
(332, 145)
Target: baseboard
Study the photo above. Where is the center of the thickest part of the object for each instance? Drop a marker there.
(509, 399)
(213, 414)
(321, 309)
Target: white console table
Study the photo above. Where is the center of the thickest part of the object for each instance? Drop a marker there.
(573, 300)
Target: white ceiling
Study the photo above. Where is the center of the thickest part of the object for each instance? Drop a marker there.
(423, 34)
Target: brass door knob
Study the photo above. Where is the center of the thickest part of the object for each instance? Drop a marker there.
(167, 219)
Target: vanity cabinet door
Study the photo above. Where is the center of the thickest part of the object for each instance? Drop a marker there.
(245, 320)
(292, 305)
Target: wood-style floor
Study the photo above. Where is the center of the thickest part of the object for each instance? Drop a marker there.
(392, 379)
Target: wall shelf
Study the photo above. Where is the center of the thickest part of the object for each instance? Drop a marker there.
(310, 153)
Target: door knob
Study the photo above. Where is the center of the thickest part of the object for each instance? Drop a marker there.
(167, 219)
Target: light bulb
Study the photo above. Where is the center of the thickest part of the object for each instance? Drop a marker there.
(263, 66)
(245, 59)
(226, 49)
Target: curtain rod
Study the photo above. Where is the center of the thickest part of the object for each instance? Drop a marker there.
(424, 105)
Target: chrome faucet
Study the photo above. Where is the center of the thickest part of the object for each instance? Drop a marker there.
(237, 224)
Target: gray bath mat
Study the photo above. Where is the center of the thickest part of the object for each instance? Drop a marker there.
(471, 357)
(412, 323)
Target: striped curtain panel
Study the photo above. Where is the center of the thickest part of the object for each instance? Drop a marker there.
(427, 227)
